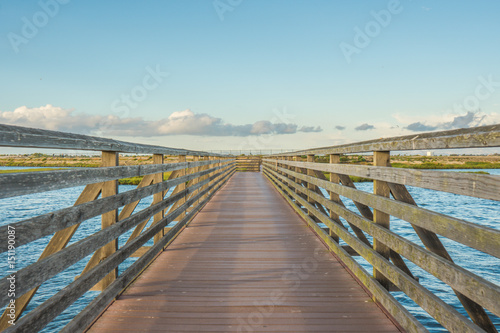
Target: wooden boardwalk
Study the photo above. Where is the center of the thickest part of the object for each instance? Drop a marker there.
(246, 263)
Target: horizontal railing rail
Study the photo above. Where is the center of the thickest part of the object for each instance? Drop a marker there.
(476, 137)
(318, 192)
(17, 136)
(178, 190)
(248, 163)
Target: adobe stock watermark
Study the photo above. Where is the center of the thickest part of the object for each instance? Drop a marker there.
(372, 29)
(122, 105)
(486, 87)
(31, 26)
(223, 6)
(11, 264)
(139, 93)
(263, 141)
(292, 279)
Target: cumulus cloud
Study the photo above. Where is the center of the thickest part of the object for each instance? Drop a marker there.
(419, 127)
(178, 123)
(364, 127)
(453, 121)
(309, 129)
(340, 128)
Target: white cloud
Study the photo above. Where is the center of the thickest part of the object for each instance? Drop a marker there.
(178, 123)
(447, 121)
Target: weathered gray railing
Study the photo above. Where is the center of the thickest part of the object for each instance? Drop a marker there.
(300, 182)
(195, 177)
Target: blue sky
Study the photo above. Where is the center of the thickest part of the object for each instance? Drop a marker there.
(251, 73)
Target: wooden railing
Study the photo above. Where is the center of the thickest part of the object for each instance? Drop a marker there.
(194, 178)
(248, 163)
(303, 184)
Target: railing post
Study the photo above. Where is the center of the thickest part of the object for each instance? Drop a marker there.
(334, 178)
(297, 169)
(158, 197)
(381, 158)
(310, 187)
(109, 188)
(197, 158)
(182, 186)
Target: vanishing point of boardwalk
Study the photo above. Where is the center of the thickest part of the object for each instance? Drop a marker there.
(246, 263)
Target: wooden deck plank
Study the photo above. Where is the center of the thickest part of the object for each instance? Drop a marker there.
(246, 263)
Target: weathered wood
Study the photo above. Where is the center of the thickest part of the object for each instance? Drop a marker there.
(476, 137)
(381, 158)
(432, 242)
(37, 273)
(109, 188)
(85, 317)
(381, 295)
(442, 312)
(17, 136)
(359, 233)
(141, 251)
(56, 243)
(470, 184)
(476, 236)
(43, 225)
(310, 158)
(42, 315)
(334, 178)
(158, 197)
(15, 184)
(366, 212)
(468, 283)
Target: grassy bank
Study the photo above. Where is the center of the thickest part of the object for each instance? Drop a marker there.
(124, 181)
(28, 170)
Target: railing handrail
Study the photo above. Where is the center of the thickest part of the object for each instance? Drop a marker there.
(476, 137)
(320, 199)
(18, 136)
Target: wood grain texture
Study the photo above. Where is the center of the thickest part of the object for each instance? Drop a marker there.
(381, 159)
(43, 314)
(473, 286)
(380, 294)
(442, 312)
(474, 185)
(39, 226)
(15, 184)
(17, 136)
(232, 262)
(473, 235)
(477, 137)
(37, 273)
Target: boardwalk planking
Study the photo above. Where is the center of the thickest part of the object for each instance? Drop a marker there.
(246, 263)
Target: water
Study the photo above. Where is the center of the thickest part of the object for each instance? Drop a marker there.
(484, 212)
(479, 211)
(23, 207)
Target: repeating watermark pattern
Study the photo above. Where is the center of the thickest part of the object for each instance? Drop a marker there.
(482, 92)
(223, 6)
(122, 106)
(11, 264)
(138, 93)
(292, 279)
(31, 26)
(372, 29)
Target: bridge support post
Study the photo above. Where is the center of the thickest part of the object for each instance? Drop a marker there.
(334, 178)
(310, 187)
(381, 158)
(297, 169)
(182, 172)
(109, 188)
(158, 197)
